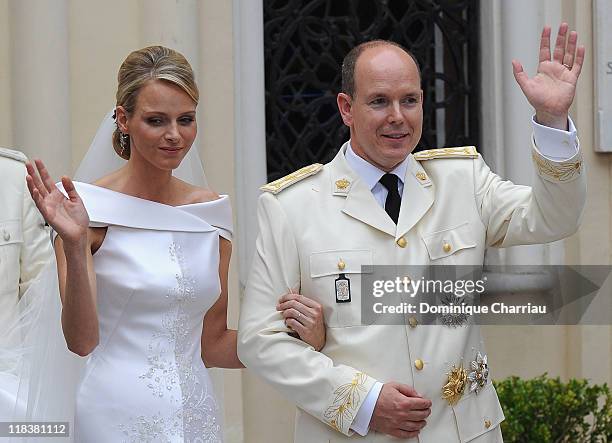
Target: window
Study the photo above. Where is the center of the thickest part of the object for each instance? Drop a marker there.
(305, 42)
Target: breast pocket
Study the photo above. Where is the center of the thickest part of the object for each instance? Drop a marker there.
(325, 269)
(478, 417)
(11, 240)
(445, 246)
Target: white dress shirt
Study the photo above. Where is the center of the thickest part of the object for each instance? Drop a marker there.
(555, 144)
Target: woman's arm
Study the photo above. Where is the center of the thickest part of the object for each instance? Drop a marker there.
(219, 343)
(68, 217)
(77, 281)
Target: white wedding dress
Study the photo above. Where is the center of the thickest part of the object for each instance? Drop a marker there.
(157, 273)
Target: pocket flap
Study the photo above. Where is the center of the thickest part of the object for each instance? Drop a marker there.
(339, 262)
(443, 243)
(10, 232)
(477, 414)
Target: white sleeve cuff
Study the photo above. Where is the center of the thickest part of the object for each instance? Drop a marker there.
(361, 424)
(555, 144)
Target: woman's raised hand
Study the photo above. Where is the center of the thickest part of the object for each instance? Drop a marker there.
(67, 216)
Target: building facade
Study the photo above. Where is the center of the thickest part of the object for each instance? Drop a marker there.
(58, 66)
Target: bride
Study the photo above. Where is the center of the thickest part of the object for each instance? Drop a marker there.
(142, 259)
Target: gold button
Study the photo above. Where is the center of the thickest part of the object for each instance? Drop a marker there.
(413, 322)
(401, 242)
(487, 424)
(447, 247)
(341, 265)
(421, 176)
(418, 363)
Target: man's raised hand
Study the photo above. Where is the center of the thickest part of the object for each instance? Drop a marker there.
(551, 91)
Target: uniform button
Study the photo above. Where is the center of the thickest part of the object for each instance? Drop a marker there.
(413, 322)
(447, 247)
(341, 265)
(421, 176)
(418, 363)
(401, 242)
(487, 424)
(7, 236)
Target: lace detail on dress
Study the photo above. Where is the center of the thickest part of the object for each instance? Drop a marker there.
(172, 374)
(148, 429)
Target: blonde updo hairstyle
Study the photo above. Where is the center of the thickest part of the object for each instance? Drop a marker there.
(150, 63)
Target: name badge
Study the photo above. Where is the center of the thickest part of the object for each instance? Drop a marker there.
(343, 289)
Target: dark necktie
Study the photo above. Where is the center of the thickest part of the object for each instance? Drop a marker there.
(392, 204)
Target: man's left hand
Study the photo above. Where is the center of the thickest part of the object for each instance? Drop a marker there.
(551, 91)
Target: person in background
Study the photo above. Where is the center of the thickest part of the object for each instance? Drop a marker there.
(25, 248)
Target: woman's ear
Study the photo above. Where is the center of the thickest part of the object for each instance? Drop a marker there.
(121, 119)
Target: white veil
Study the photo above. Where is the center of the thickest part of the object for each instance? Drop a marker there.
(46, 371)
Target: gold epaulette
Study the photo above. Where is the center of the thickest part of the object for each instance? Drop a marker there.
(461, 152)
(15, 155)
(278, 185)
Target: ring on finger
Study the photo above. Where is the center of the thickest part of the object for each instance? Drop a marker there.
(299, 315)
(567, 66)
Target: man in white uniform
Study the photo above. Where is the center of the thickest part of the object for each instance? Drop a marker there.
(25, 248)
(376, 203)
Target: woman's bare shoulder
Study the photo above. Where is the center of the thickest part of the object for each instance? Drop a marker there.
(197, 194)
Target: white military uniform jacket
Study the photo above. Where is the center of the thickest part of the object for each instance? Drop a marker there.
(452, 208)
(25, 245)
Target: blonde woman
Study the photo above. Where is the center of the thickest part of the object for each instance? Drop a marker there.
(143, 260)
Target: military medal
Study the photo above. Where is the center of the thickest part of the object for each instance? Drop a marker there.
(479, 373)
(343, 289)
(452, 391)
(453, 319)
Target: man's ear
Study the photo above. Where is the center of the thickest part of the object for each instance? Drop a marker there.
(121, 119)
(344, 106)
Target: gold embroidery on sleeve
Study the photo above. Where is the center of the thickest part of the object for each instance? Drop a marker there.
(559, 171)
(346, 398)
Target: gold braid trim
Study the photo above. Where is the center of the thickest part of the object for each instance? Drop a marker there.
(557, 171)
(346, 398)
(278, 185)
(461, 152)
